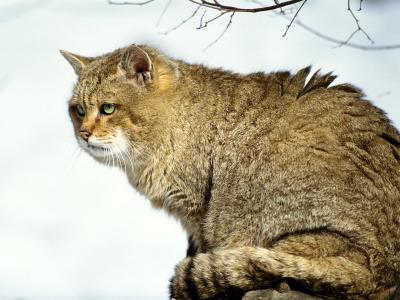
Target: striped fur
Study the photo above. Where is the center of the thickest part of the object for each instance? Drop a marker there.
(233, 271)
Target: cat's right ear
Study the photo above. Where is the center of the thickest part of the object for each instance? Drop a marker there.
(77, 62)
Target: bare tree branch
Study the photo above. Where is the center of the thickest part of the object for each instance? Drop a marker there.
(217, 6)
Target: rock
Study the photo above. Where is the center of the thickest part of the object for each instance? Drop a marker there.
(270, 294)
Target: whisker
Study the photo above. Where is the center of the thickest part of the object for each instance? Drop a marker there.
(116, 151)
(131, 153)
(108, 159)
(112, 156)
(120, 155)
(105, 153)
(130, 158)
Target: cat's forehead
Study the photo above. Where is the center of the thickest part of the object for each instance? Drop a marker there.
(92, 88)
(99, 69)
(99, 73)
(103, 65)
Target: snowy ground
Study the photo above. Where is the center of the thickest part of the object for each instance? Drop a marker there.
(72, 229)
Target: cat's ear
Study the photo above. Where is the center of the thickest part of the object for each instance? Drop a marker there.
(136, 64)
(77, 62)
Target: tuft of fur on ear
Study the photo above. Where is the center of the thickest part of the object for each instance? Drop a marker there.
(136, 64)
(77, 62)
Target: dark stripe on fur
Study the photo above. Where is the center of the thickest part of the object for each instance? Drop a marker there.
(189, 282)
(207, 199)
(214, 276)
(192, 249)
(395, 154)
(232, 293)
(209, 186)
(171, 288)
(390, 139)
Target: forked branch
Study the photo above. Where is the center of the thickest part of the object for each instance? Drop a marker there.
(289, 5)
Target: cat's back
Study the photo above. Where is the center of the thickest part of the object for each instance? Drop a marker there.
(315, 157)
(312, 122)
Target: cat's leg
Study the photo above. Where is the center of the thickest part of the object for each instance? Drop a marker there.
(224, 273)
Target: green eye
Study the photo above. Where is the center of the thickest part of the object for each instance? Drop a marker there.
(108, 108)
(80, 110)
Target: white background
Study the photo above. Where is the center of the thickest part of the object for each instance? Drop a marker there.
(73, 229)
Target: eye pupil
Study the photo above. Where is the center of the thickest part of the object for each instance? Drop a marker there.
(108, 108)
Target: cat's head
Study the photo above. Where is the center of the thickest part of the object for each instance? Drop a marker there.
(118, 101)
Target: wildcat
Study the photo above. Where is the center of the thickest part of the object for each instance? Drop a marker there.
(275, 179)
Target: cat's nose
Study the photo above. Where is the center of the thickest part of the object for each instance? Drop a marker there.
(85, 134)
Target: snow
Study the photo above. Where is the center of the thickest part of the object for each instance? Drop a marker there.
(73, 229)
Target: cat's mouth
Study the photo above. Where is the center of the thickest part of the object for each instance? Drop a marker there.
(105, 147)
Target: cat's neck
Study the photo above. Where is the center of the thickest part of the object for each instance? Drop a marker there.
(176, 172)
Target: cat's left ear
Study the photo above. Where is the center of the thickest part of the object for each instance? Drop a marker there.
(136, 64)
(77, 62)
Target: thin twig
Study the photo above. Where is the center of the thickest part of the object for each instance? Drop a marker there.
(294, 18)
(163, 13)
(360, 8)
(129, 3)
(202, 17)
(222, 33)
(280, 8)
(359, 28)
(348, 44)
(209, 21)
(183, 21)
(337, 41)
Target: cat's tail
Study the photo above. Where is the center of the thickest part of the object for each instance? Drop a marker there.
(224, 273)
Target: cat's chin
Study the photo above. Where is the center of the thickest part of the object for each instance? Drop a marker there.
(96, 151)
